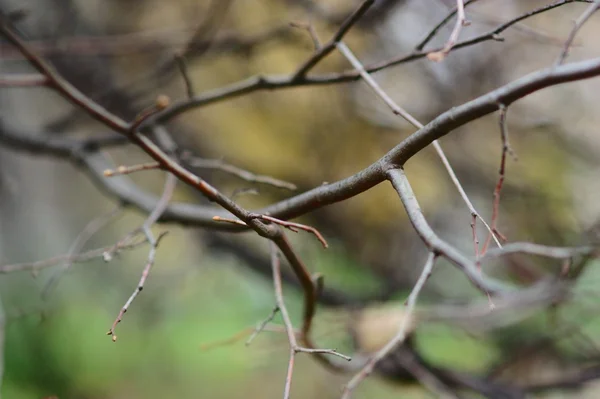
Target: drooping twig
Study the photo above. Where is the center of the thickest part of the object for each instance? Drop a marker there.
(400, 335)
(506, 149)
(146, 228)
(592, 8)
(461, 21)
(396, 109)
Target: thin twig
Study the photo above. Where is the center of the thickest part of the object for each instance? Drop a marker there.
(431, 34)
(309, 27)
(323, 51)
(260, 327)
(576, 27)
(23, 80)
(287, 321)
(126, 170)
(93, 254)
(400, 335)
(248, 176)
(91, 229)
(397, 110)
(161, 103)
(461, 21)
(292, 226)
(506, 149)
(189, 86)
(168, 190)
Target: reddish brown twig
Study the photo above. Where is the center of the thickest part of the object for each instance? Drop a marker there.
(292, 226)
(161, 103)
(506, 149)
(309, 27)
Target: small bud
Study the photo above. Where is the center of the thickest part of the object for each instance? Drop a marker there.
(162, 102)
(114, 338)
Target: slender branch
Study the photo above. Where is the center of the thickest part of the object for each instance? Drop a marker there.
(502, 171)
(168, 190)
(82, 238)
(326, 49)
(127, 170)
(23, 80)
(576, 27)
(397, 110)
(436, 244)
(238, 172)
(400, 335)
(542, 250)
(461, 20)
(260, 327)
(276, 82)
(431, 34)
(189, 86)
(125, 244)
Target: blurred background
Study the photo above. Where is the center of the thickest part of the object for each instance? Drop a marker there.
(207, 287)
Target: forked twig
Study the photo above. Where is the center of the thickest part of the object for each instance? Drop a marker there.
(397, 110)
(461, 20)
(168, 190)
(287, 321)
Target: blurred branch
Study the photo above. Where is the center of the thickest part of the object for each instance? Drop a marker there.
(578, 24)
(400, 335)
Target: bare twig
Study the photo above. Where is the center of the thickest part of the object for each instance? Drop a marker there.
(437, 245)
(309, 27)
(431, 34)
(125, 244)
(496, 204)
(287, 321)
(576, 27)
(189, 86)
(260, 327)
(126, 170)
(23, 80)
(219, 164)
(461, 20)
(293, 227)
(400, 335)
(396, 109)
(326, 49)
(82, 238)
(154, 216)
